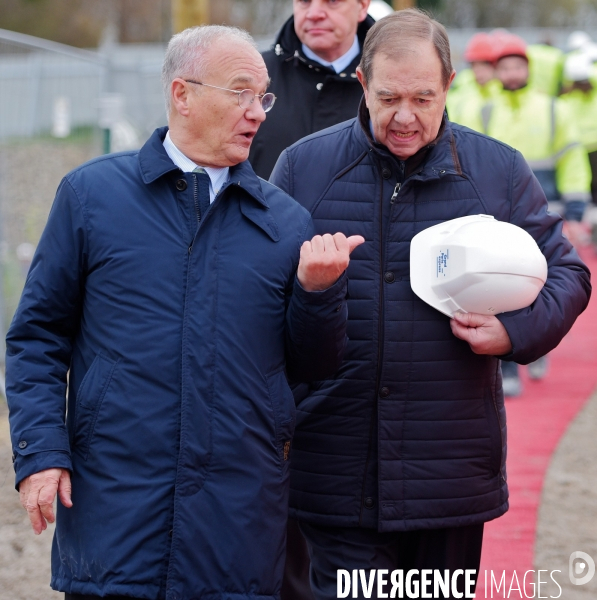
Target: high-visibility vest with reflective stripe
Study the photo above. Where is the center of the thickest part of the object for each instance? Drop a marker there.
(583, 105)
(546, 133)
(464, 103)
(546, 65)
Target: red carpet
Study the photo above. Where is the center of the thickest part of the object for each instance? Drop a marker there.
(536, 422)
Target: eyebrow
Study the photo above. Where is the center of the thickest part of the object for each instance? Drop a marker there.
(247, 80)
(241, 79)
(383, 93)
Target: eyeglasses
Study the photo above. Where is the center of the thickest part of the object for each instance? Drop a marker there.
(245, 97)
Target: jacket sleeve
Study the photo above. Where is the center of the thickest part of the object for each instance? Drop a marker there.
(280, 176)
(315, 327)
(538, 329)
(39, 341)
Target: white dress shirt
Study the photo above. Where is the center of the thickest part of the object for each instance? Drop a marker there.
(340, 63)
(217, 177)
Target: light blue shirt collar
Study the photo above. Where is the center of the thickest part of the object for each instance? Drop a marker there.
(340, 63)
(217, 177)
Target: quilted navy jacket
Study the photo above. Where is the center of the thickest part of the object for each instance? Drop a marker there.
(177, 335)
(413, 425)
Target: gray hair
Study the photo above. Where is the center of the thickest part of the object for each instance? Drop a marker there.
(186, 55)
(392, 36)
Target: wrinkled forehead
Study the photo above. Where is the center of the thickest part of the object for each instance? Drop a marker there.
(409, 68)
(236, 62)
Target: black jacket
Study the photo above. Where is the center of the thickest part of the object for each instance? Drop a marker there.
(413, 424)
(310, 97)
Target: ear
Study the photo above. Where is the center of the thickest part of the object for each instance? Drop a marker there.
(451, 79)
(363, 9)
(361, 78)
(180, 96)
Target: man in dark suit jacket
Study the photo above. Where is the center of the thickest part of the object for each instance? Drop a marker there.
(312, 67)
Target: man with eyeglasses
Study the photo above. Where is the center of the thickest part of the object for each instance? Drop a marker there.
(176, 289)
(312, 65)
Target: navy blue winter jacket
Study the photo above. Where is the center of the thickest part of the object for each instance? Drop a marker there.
(177, 335)
(411, 432)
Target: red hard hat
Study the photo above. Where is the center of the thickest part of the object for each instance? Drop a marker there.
(508, 44)
(481, 48)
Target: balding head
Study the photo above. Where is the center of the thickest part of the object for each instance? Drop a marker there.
(187, 55)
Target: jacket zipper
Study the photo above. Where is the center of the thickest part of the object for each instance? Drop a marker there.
(196, 202)
(379, 354)
(395, 194)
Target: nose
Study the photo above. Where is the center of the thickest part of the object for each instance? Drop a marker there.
(316, 12)
(255, 111)
(404, 115)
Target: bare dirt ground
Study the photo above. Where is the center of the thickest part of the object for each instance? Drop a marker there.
(24, 557)
(568, 512)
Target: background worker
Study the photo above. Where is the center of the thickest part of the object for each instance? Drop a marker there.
(477, 83)
(544, 130)
(546, 64)
(312, 67)
(581, 98)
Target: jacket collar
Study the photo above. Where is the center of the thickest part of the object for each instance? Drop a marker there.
(288, 46)
(435, 160)
(155, 163)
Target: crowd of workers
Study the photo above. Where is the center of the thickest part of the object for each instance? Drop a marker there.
(543, 102)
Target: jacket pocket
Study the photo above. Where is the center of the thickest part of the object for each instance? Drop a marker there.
(90, 395)
(284, 411)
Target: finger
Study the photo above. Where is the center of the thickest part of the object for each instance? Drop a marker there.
(341, 243)
(24, 487)
(470, 319)
(32, 508)
(46, 501)
(306, 249)
(354, 241)
(318, 244)
(65, 489)
(329, 245)
(460, 331)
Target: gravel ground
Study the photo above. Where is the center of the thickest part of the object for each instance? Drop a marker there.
(24, 557)
(26, 195)
(568, 511)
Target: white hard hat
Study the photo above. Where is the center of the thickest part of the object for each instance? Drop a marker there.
(476, 264)
(577, 67)
(578, 39)
(379, 9)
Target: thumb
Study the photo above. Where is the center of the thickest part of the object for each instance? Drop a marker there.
(64, 489)
(354, 241)
(469, 319)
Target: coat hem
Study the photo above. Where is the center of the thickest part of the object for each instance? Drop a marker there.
(147, 591)
(402, 524)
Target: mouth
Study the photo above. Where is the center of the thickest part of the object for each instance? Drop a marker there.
(246, 137)
(404, 136)
(317, 31)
